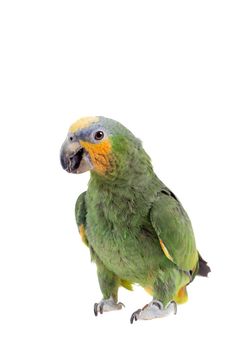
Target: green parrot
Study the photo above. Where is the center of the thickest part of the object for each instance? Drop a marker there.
(135, 227)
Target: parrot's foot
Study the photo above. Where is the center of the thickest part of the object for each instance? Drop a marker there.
(155, 309)
(107, 305)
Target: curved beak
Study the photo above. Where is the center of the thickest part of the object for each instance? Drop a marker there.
(74, 158)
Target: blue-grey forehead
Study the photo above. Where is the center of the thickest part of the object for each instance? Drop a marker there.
(87, 132)
(107, 125)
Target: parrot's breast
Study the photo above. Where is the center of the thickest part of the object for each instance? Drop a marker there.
(120, 233)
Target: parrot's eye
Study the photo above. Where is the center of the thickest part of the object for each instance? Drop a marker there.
(99, 135)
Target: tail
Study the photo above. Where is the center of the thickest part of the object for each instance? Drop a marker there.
(182, 296)
(203, 269)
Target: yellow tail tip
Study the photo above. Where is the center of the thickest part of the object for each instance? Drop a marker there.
(182, 296)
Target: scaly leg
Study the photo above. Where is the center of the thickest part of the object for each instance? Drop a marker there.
(109, 284)
(106, 305)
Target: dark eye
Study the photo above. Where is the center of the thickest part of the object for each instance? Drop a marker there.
(99, 135)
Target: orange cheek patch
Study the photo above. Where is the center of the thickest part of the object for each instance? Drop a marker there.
(99, 153)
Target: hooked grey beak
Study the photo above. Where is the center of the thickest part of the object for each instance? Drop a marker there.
(74, 158)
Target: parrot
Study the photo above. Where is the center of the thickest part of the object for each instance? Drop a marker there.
(135, 227)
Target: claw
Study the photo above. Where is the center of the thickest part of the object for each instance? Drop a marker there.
(144, 307)
(121, 304)
(175, 306)
(96, 309)
(101, 308)
(134, 316)
(158, 304)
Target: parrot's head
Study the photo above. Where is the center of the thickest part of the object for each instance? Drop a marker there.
(101, 145)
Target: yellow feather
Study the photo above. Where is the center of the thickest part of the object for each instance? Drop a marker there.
(166, 252)
(182, 296)
(83, 123)
(126, 284)
(83, 234)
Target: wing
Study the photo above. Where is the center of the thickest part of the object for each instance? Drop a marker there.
(174, 230)
(80, 215)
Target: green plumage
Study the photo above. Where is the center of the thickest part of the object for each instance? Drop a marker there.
(125, 213)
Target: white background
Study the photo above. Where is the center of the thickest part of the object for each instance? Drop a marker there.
(162, 68)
